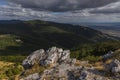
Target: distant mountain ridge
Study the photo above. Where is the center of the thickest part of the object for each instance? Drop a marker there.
(107, 28)
(9, 21)
(45, 34)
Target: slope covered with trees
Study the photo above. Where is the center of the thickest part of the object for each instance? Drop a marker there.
(42, 34)
(20, 38)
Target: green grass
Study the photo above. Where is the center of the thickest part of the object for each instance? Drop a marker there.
(15, 59)
(42, 34)
(9, 70)
(49, 29)
(8, 40)
(92, 52)
(9, 45)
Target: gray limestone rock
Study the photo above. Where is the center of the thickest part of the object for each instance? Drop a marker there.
(115, 66)
(108, 55)
(34, 76)
(56, 55)
(64, 67)
(33, 58)
(51, 56)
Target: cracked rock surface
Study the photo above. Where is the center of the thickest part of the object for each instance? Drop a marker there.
(63, 67)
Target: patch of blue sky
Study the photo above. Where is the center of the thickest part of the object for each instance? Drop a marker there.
(57, 13)
(3, 2)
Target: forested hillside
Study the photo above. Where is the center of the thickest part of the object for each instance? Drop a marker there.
(32, 35)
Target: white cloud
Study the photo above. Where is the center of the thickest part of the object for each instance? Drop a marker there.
(109, 9)
(15, 11)
(62, 5)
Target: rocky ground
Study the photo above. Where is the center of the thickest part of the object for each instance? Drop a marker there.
(56, 64)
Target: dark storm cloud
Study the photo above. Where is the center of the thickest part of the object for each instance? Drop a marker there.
(62, 5)
(108, 9)
(68, 11)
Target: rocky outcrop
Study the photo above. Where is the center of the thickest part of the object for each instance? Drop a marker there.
(64, 67)
(85, 74)
(115, 66)
(108, 55)
(51, 56)
(33, 58)
(56, 55)
(34, 76)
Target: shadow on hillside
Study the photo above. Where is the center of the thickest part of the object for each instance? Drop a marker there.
(96, 72)
(17, 50)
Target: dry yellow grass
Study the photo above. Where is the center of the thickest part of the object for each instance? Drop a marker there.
(5, 64)
(116, 51)
(108, 61)
(17, 77)
(99, 65)
(36, 68)
(3, 67)
(83, 63)
(3, 36)
(100, 68)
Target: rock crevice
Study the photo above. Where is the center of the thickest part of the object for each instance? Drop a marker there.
(64, 67)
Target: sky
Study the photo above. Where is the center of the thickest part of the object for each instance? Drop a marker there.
(64, 11)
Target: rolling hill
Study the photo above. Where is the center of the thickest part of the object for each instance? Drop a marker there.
(107, 28)
(37, 34)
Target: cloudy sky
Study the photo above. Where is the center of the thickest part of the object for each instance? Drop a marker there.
(68, 11)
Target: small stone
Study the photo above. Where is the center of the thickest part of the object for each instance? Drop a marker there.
(34, 76)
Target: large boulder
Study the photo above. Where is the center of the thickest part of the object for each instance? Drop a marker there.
(108, 55)
(33, 58)
(115, 66)
(57, 55)
(64, 67)
(34, 76)
(84, 75)
(50, 56)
